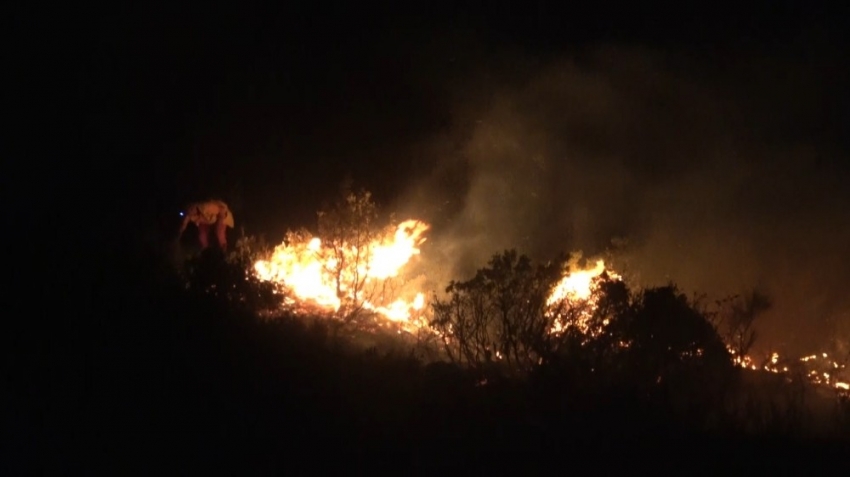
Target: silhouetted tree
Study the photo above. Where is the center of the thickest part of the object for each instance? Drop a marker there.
(674, 354)
(602, 338)
(736, 319)
(348, 229)
(499, 318)
(842, 405)
(350, 233)
(666, 329)
(839, 348)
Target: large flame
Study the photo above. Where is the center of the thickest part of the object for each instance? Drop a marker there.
(577, 286)
(319, 275)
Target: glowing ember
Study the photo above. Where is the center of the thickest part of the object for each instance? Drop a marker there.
(815, 376)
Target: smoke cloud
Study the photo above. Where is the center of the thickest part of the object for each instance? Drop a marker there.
(716, 175)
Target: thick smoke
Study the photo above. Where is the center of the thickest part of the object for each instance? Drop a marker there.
(718, 176)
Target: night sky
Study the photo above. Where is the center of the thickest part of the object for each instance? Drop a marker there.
(713, 138)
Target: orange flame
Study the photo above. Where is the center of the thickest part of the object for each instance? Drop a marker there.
(815, 376)
(577, 285)
(311, 271)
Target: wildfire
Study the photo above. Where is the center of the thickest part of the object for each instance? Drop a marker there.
(327, 277)
(318, 275)
(347, 278)
(820, 369)
(577, 285)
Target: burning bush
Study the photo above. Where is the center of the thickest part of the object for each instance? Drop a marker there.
(350, 271)
(513, 315)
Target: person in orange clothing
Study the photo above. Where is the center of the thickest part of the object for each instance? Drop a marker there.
(205, 215)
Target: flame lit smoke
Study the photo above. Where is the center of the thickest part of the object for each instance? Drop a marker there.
(311, 271)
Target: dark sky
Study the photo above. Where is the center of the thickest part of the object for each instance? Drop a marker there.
(713, 137)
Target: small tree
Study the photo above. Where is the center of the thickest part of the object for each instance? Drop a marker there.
(348, 230)
(675, 356)
(666, 328)
(603, 337)
(736, 320)
(499, 317)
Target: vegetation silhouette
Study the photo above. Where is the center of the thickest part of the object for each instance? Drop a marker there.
(189, 368)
